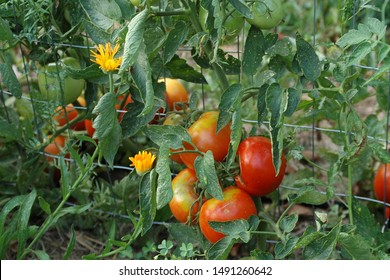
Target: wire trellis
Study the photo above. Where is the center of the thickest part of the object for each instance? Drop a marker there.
(313, 128)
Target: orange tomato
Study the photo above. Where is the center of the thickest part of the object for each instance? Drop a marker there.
(55, 147)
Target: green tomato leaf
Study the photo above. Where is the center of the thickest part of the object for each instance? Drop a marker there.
(355, 247)
(242, 8)
(284, 249)
(103, 13)
(221, 249)
(23, 218)
(253, 52)
(294, 97)
(179, 69)
(97, 34)
(175, 39)
(107, 116)
(230, 102)
(288, 223)
(235, 138)
(90, 72)
(206, 173)
(133, 121)
(323, 247)
(110, 144)
(309, 195)
(6, 33)
(171, 136)
(261, 104)
(142, 75)
(134, 40)
(147, 200)
(164, 181)
(10, 80)
(182, 233)
(354, 37)
(308, 59)
(359, 53)
(276, 101)
(237, 229)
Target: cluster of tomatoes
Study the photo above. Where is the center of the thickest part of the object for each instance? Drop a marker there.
(257, 177)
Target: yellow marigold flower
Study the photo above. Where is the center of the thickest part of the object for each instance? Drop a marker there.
(105, 57)
(143, 162)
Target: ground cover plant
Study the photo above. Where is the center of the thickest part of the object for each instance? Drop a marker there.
(194, 129)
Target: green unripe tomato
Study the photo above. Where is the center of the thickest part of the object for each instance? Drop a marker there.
(136, 3)
(51, 79)
(232, 25)
(266, 13)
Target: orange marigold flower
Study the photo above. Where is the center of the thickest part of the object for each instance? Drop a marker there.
(143, 162)
(105, 57)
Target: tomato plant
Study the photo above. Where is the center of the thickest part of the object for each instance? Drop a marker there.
(51, 79)
(88, 126)
(236, 204)
(204, 136)
(257, 172)
(382, 183)
(266, 13)
(184, 204)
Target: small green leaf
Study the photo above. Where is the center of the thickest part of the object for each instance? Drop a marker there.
(142, 75)
(10, 80)
(235, 138)
(179, 69)
(110, 144)
(107, 116)
(288, 223)
(44, 205)
(242, 8)
(309, 195)
(171, 136)
(103, 13)
(206, 173)
(134, 40)
(308, 59)
(147, 200)
(72, 242)
(175, 38)
(294, 97)
(90, 72)
(282, 250)
(23, 218)
(253, 52)
(164, 181)
(237, 229)
(230, 101)
(355, 247)
(261, 104)
(377, 27)
(6, 33)
(359, 53)
(133, 121)
(322, 248)
(221, 249)
(42, 255)
(354, 37)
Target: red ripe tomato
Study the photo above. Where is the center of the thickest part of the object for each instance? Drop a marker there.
(62, 115)
(174, 119)
(184, 204)
(236, 204)
(54, 148)
(387, 212)
(204, 136)
(382, 177)
(90, 129)
(257, 172)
